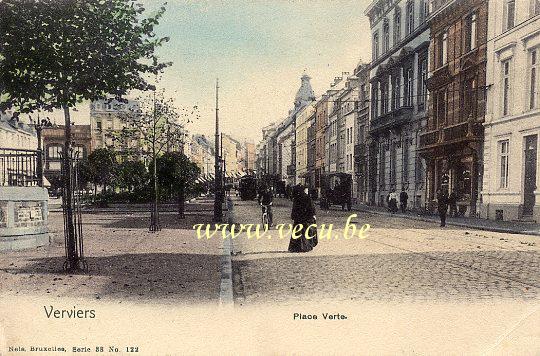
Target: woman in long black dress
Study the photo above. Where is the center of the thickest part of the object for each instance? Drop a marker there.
(303, 212)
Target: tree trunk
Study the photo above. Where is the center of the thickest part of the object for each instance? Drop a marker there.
(71, 248)
(181, 202)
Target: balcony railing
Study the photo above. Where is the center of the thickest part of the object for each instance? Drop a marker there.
(19, 168)
(429, 138)
(468, 130)
(393, 118)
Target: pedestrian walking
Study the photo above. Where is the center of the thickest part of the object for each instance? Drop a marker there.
(303, 213)
(403, 197)
(442, 205)
(452, 202)
(392, 201)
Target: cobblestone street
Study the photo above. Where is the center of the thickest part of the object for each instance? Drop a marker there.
(409, 287)
(401, 260)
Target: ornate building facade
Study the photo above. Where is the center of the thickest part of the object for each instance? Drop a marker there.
(452, 140)
(361, 135)
(399, 67)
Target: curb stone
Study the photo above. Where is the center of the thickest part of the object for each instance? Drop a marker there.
(226, 286)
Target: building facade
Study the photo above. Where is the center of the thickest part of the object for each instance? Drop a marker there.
(277, 151)
(311, 151)
(400, 42)
(321, 121)
(200, 150)
(348, 102)
(333, 127)
(53, 148)
(361, 136)
(16, 133)
(512, 125)
(107, 118)
(286, 152)
(303, 122)
(452, 140)
(232, 156)
(249, 157)
(18, 145)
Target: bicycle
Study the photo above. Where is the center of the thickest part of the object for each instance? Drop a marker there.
(265, 216)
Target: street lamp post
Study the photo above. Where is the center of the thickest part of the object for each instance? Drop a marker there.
(39, 124)
(218, 210)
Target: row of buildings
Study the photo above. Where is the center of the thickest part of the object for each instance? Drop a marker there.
(450, 100)
(106, 121)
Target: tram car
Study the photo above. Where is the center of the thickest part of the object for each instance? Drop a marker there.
(247, 187)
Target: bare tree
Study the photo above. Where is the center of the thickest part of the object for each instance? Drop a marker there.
(154, 126)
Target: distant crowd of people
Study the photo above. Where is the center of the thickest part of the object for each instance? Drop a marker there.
(444, 203)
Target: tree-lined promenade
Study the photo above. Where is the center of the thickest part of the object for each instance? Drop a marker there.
(58, 54)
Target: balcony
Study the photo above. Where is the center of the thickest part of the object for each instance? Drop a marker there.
(461, 132)
(396, 117)
(441, 76)
(429, 138)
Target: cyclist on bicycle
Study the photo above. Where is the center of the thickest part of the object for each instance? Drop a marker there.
(266, 199)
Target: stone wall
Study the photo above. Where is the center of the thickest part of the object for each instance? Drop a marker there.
(23, 218)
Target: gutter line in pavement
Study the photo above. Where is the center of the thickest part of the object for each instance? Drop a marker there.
(226, 286)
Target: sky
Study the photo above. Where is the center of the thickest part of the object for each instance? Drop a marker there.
(258, 50)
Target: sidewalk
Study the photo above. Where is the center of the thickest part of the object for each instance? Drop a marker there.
(126, 261)
(510, 227)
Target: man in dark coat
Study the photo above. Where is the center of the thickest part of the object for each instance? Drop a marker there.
(442, 205)
(403, 197)
(303, 212)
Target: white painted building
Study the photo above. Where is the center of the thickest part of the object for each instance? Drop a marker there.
(349, 114)
(107, 118)
(511, 181)
(285, 150)
(303, 121)
(17, 133)
(16, 167)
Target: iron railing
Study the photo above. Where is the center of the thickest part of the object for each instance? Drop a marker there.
(19, 167)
